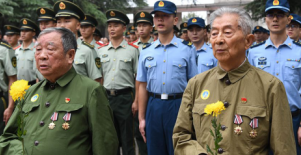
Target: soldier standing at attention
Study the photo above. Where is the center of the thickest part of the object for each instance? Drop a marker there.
(119, 64)
(25, 53)
(12, 34)
(165, 66)
(86, 62)
(183, 30)
(87, 29)
(294, 28)
(281, 56)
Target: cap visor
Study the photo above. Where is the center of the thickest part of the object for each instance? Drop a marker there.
(45, 19)
(284, 9)
(195, 25)
(165, 11)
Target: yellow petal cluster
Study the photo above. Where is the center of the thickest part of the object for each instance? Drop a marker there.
(18, 88)
(214, 109)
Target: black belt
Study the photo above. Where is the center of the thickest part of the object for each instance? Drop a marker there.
(170, 97)
(114, 92)
(295, 113)
(32, 82)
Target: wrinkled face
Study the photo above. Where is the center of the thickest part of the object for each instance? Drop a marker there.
(277, 20)
(86, 30)
(293, 30)
(46, 24)
(196, 34)
(144, 29)
(70, 23)
(164, 22)
(12, 39)
(51, 60)
(259, 36)
(227, 39)
(116, 29)
(27, 35)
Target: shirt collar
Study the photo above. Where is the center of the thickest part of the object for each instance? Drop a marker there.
(93, 42)
(288, 42)
(122, 44)
(30, 47)
(173, 42)
(236, 74)
(64, 80)
(151, 39)
(204, 48)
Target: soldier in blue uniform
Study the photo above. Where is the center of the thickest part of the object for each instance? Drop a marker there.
(258, 32)
(294, 28)
(280, 56)
(164, 68)
(197, 33)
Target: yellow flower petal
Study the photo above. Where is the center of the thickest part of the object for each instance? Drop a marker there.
(18, 89)
(214, 109)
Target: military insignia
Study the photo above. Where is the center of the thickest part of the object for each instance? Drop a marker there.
(24, 21)
(262, 59)
(161, 4)
(150, 58)
(14, 61)
(261, 43)
(51, 126)
(254, 125)
(291, 17)
(104, 56)
(128, 33)
(42, 11)
(238, 130)
(8, 27)
(85, 18)
(62, 6)
(67, 117)
(194, 20)
(243, 100)
(257, 27)
(112, 13)
(97, 62)
(67, 100)
(297, 43)
(65, 126)
(205, 94)
(238, 120)
(133, 28)
(297, 60)
(34, 98)
(276, 2)
(145, 46)
(253, 134)
(142, 14)
(53, 118)
(185, 24)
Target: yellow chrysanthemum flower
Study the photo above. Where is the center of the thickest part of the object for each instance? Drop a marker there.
(214, 109)
(18, 88)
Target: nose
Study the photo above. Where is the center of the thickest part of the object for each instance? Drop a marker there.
(220, 40)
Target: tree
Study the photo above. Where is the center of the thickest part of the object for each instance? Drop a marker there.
(257, 8)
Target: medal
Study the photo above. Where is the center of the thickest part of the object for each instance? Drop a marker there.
(53, 118)
(238, 120)
(254, 125)
(67, 117)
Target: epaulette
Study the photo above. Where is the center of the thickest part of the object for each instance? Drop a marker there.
(187, 43)
(103, 45)
(89, 45)
(258, 44)
(133, 45)
(5, 45)
(99, 43)
(297, 43)
(155, 40)
(146, 46)
(17, 47)
(135, 41)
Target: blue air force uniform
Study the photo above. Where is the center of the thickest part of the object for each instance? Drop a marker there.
(205, 58)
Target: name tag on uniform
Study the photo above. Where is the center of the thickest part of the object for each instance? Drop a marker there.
(164, 96)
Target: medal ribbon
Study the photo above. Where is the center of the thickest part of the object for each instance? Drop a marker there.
(54, 116)
(254, 123)
(238, 119)
(67, 117)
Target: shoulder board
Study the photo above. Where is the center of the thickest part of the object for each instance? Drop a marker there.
(187, 43)
(133, 45)
(146, 46)
(87, 44)
(261, 43)
(5, 45)
(17, 47)
(103, 45)
(99, 43)
(134, 41)
(297, 43)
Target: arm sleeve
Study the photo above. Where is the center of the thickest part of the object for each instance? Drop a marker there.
(92, 70)
(192, 67)
(184, 130)
(135, 62)
(142, 72)
(10, 61)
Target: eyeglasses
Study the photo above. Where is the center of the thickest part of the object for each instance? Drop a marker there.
(278, 15)
(292, 26)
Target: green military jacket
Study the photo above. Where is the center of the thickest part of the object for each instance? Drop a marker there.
(25, 60)
(141, 44)
(8, 64)
(119, 65)
(91, 130)
(252, 93)
(86, 61)
(96, 46)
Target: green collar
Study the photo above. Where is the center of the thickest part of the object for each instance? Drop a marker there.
(65, 79)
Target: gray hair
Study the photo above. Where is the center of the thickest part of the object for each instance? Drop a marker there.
(67, 37)
(244, 20)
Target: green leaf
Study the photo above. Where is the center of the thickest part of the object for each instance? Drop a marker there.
(209, 150)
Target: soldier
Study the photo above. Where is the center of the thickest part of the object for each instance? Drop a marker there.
(177, 32)
(293, 29)
(258, 32)
(97, 35)
(248, 94)
(61, 120)
(183, 30)
(127, 36)
(164, 68)
(86, 61)
(13, 35)
(87, 29)
(280, 56)
(197, 33)
(133, 37)
(119, 64)
(25, 53)
(46, 18)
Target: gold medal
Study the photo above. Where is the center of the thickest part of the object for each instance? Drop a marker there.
(253, 134)
(65, 126)
(238, 130)
(51, 126)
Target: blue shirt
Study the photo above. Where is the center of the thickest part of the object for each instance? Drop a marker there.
(205, 58)
(167, 69)
(282, 62)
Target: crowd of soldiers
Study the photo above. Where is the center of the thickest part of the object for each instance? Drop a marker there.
(145, 68)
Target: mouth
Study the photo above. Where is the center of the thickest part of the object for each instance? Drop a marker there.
(160, 25)
(43, 66)
(275, 26)
(220, 50)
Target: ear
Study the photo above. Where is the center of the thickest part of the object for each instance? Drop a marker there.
(289, 20)
(249, 40)
(176, 19)
(93, 29)
(123, 28)
(77, 25)
(70, 56)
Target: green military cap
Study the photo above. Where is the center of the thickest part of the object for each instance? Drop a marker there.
(10, 29)
(68, 9)
(89, 20)
(144, 17)
(45, 14)
(155, 30)
(117, 16)
(97, 33)
(176, 28)
(132, 29)
(127, 34)
(183, 27)
(27, 24)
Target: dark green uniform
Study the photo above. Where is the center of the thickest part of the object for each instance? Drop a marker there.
(91, 130)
